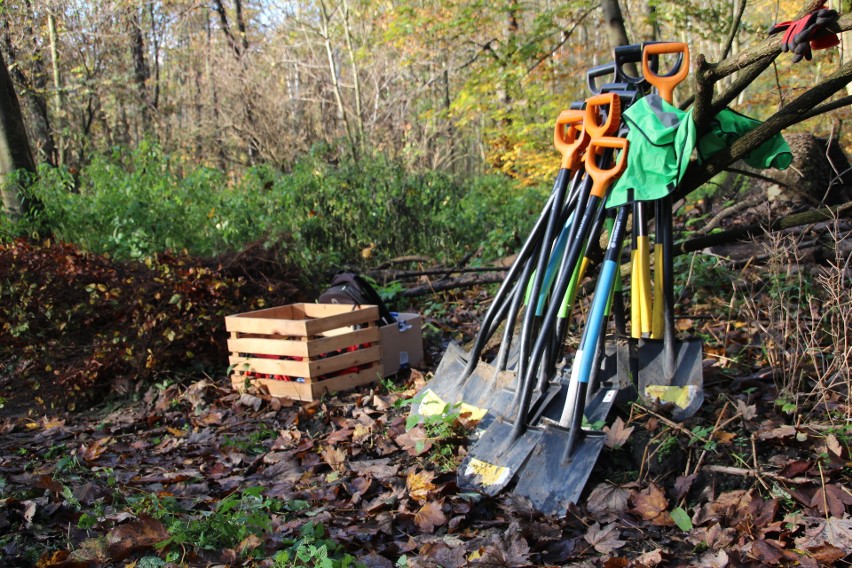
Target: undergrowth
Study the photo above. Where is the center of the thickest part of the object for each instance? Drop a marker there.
(135, 203)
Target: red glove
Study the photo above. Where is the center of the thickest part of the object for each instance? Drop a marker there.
(807, 33)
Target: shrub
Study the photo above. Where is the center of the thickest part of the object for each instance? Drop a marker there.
(132, 204)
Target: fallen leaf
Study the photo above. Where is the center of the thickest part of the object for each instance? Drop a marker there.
(617, 434)
(415, 441)
(747, 411)
(831, 500)
(832, 531)
(681, 519)
(682, 485)
(826, 554)
(430, 516)
(251, 401)
(335, 457)
(780, 432)
(713, 537)
(248, 544)
(713, 559)
(419, 485)
(723, 437)
(93, 451)
(440, 554)
(136, 536)
(604, 540)
(648, 559)
(765, 552)
(833, 445)
(650, 505)
(607, 498)
(508, 549)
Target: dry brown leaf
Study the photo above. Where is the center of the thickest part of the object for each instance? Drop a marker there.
(604, 540)
(650, 505)
(723, 437)
(93, 451)
(135, 536)
(765, 552)
(419, 485)
(831, 500)
(713, 537)
(617, 434)
(338, 436)
(780, 432)
(607, 498)
(335, 457)
(827, 555)
(833, 445)
(747, 411)
(440, 554)
(509, 549)
(713, 559)
(683, 484)
(648, 560)
(430, 516)
(250, 543)
(832, 531)
(415, 441)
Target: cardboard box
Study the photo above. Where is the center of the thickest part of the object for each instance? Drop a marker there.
(303, 351)
(402, 343)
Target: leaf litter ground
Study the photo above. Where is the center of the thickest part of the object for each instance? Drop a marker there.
(196, 474)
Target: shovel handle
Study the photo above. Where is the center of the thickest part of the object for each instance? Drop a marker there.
(665, 84)
(570, 138)
(595, 73)
(601, 178)
(594, 108)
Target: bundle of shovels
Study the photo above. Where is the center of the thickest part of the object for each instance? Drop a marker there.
(540, 413)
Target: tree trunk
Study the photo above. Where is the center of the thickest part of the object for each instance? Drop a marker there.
(14, 150)
(140, 71)
(57, 90)
(844, 7)
(614, 23)
(325, 32)
(33, 87)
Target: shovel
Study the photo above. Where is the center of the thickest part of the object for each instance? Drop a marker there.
(504, 447)
(560, 465)
(465, 379)
(669, 370)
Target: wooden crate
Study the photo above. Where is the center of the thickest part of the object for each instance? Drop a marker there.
(302, 351)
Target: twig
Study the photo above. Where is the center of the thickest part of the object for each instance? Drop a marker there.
(743, 472)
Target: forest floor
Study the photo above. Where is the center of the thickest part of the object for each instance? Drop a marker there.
(190, 472)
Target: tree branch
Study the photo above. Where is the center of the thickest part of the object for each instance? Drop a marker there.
(741, 233)
(793, 113)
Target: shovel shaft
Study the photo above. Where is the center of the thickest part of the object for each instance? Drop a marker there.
(573, 410)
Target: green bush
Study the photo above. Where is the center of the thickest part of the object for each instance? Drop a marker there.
(135, 203)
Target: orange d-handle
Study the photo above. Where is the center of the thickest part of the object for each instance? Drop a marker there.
(570, 138)
(602, 178)
(665, 84)
(594, 109)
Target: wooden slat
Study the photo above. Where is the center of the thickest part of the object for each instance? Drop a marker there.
(293, 348)
(317, 347)
(285, 367)
(311, 391)
(296, 320)
(363, 315)
(320, 367)
(281, 389)
(262, 345)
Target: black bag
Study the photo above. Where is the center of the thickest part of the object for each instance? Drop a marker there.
(351, 288)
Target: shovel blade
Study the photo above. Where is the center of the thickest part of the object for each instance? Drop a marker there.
(685, 389)
(495, 460)
(551, 480)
